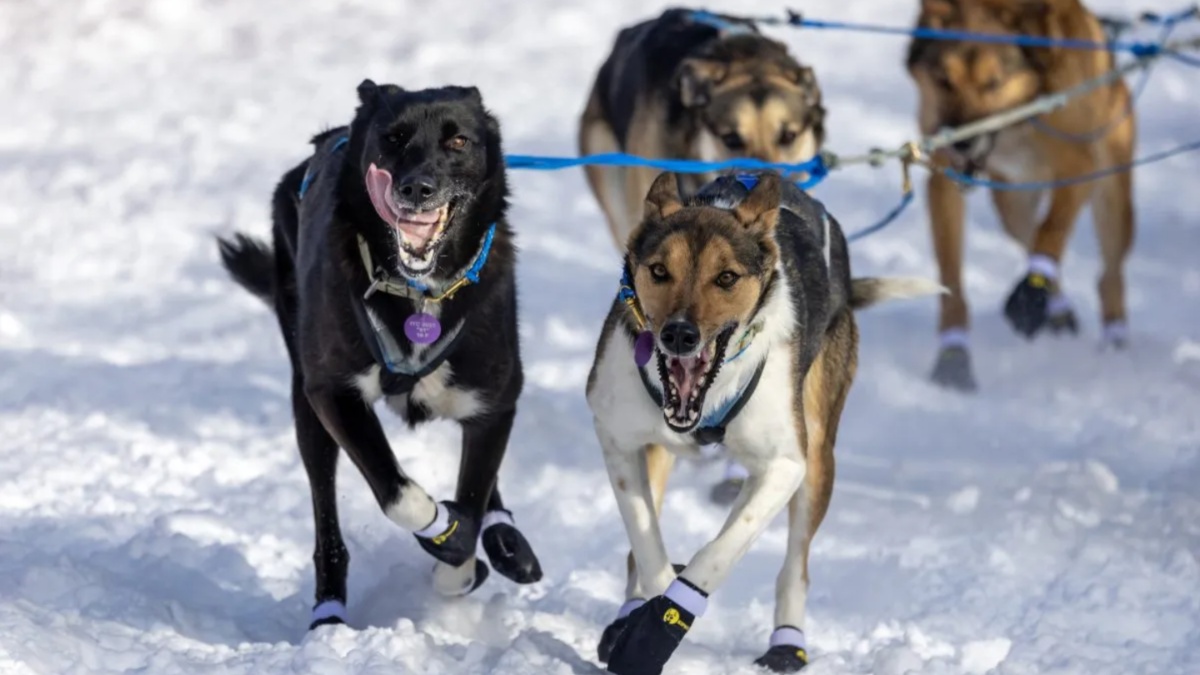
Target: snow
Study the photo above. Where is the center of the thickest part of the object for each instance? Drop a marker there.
(154, 516)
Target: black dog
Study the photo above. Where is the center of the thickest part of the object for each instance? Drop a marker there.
(392, 277)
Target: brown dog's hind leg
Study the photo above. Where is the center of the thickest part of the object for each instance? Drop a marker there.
(825, 390)
(1112, 212)
(947, 210)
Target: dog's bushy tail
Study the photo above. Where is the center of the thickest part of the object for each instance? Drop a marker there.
(873, 290)
(251, 263)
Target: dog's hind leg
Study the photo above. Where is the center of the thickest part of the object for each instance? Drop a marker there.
(1112, 213)
(319, 453)
(825, 390)
(947, 211)
(607, 182)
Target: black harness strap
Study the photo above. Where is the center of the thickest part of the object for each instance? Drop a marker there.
(713, 432)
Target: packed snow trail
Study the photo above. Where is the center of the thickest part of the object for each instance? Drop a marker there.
(154, 515)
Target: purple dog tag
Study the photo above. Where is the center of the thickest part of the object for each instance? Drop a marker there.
(643, 347)
(422, 328)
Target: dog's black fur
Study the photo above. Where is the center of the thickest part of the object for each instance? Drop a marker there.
(315, 279)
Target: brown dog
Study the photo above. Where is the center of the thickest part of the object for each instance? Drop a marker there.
(680, 88)
(960, 82)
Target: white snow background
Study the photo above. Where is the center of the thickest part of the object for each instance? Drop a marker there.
(154, 515)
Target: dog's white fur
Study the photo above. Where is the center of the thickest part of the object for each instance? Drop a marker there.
(762, 438)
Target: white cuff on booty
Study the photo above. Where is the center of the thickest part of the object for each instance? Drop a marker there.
(629, 606)
(788, 636)
(327, 609)
(1059, 304)
(687, 597)
(1043, 265)
(441, 520)
(954, 337)
(496, 517)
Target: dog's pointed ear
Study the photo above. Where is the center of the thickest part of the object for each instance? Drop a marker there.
(696, 79)
(760, 209)
(663, 199)
(473, 95)
(367, 90)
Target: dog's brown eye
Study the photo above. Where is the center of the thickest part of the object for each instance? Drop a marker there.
(941, 80)
(727, 279)
(394, 139)
(658, 272)
(993, 84)
(733, 141)
(457, 143)
(787, 137)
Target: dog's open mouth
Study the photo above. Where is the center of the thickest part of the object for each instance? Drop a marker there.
(418, 234)
(687, 379)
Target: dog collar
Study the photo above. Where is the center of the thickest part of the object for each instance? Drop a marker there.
(381, 281)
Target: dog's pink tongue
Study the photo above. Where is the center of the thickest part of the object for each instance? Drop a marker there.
(379, 188)
(685, 373)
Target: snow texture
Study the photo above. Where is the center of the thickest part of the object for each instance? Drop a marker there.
(154, 515)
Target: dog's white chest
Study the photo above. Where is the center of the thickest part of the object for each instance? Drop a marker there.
(1015, 157)
(433, 392)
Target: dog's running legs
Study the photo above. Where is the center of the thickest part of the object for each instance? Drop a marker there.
(443, 530)
(627, 470)
(947, 211)
(1112, 214)
(767, 490)
(1028, 306)
(320, 454)
(484, 443)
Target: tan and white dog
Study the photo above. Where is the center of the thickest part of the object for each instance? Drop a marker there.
(704, 87)
(735, 325)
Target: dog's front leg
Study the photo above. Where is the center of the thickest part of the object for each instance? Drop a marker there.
(655, 629)
(484, 442)
(352, 422)
(635, 500)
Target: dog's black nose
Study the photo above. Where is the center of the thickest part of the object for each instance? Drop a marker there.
(680, 337)
(964, 146)
(417, 187)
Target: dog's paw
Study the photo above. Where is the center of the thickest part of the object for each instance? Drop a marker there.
(726, 492)
(609, 638)
(328, 613)
(509, 551)
(1063, 322)
(783, 659)
(653, 631)
(459, 581)
(1027, 308)
(1116, 335)
(451, 541)
(953, 370)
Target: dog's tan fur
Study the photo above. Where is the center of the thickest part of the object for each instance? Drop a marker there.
(961, 82)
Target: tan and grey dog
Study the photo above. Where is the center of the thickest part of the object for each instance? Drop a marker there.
(961, 82)
(682, 86)
(734, 324)
(705, 87)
